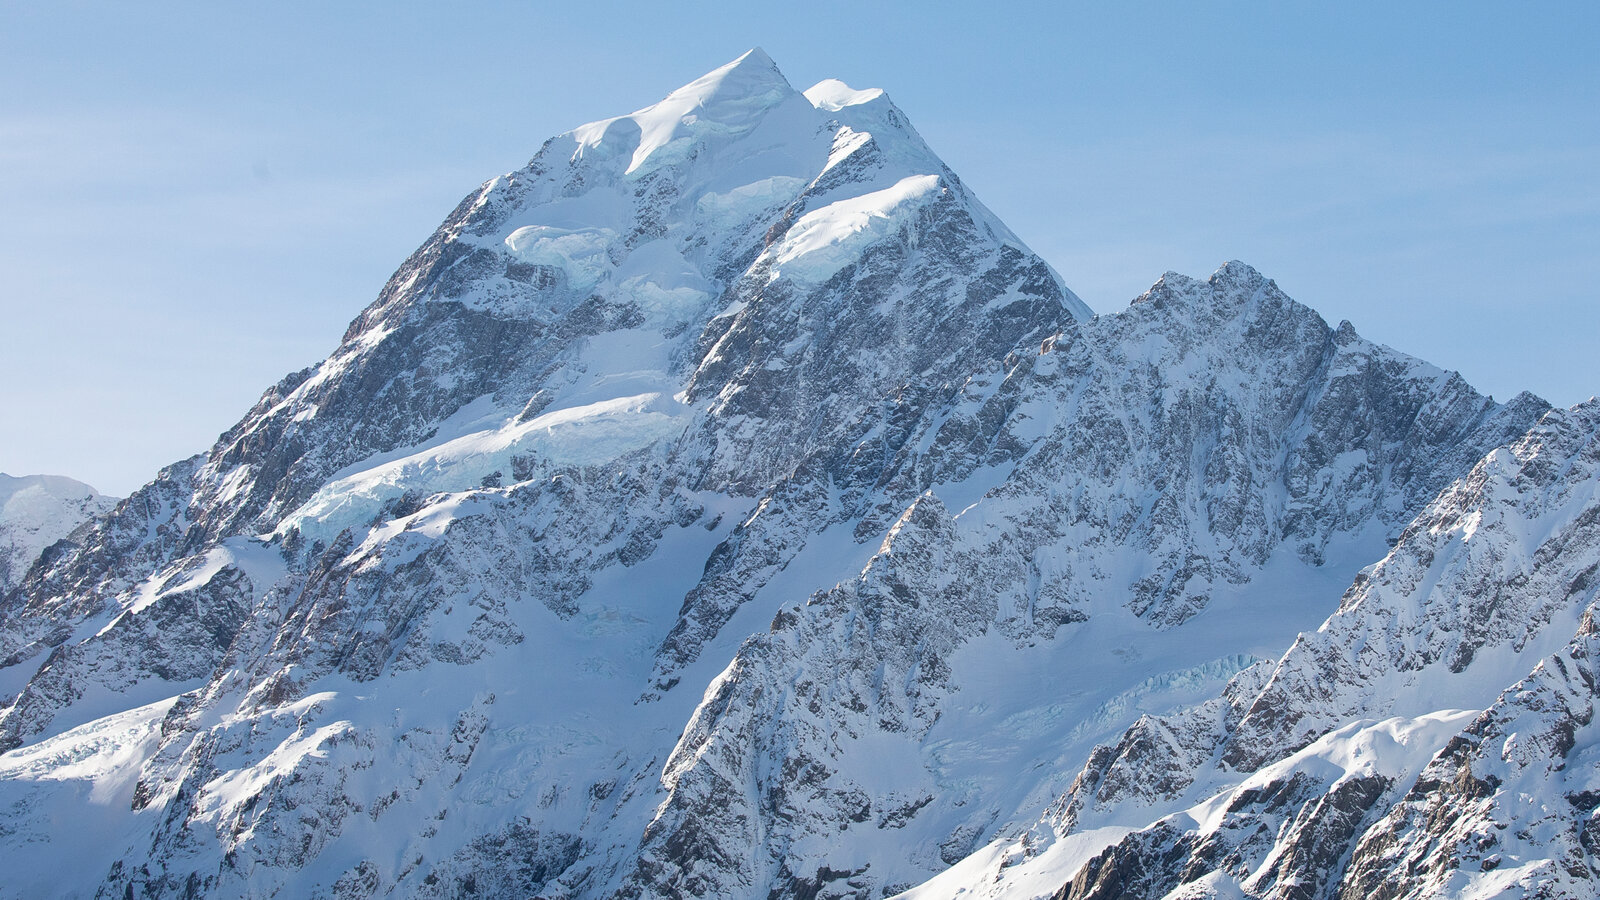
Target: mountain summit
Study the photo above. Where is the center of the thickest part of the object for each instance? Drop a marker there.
(728, 102)
(727, 504)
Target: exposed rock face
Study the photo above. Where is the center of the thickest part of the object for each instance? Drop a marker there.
(726, 504)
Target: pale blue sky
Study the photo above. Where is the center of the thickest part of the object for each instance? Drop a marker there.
(196, 198)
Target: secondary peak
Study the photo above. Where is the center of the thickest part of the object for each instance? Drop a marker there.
(833, 95)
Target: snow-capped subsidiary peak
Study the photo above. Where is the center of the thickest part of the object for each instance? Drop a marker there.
(35, 512)
(11, 486)
(833, 95)
(1231, 282)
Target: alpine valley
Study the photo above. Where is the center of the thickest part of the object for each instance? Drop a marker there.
(726, 504)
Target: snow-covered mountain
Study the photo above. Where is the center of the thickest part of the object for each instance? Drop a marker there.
(1433, 738)
(35, 512)
(727, 504)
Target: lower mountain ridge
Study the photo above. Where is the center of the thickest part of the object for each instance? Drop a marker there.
(727, 504)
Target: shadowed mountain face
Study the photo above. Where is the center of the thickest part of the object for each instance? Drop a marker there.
(727, 504)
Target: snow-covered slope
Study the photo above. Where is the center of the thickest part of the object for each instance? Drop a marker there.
(724, 504)
(35, 512)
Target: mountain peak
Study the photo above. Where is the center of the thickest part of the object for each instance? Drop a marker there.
(740, 357)
(55, 485)
(1237, 272)
(754, 58)
(753, 74)
(35, 512)
(832, 95)
(1233, 279)
(731, 99)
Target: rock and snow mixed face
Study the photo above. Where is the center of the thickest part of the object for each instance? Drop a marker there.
(1359, 765)
(1111, 525)
(725, 504)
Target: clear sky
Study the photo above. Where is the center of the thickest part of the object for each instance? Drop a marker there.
(196, 198)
